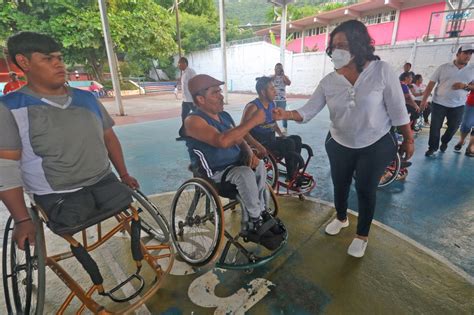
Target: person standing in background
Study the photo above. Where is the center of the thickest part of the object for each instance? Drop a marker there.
(280, 81)
(13, 84)
(452, 85)
(187, 106)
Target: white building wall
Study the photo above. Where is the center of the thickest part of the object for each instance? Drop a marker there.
(247, 61)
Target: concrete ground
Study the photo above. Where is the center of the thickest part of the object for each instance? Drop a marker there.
(424, 265)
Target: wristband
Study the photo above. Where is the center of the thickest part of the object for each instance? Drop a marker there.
(23, 220)
(122, 176)
(410, 141)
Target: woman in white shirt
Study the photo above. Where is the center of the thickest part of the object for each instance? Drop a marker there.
(365, 100)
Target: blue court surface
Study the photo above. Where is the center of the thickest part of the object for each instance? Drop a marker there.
(434, 206)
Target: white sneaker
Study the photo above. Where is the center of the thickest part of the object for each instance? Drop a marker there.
(357, 248)
(335, 226)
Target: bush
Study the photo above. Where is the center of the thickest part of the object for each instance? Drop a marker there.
(123, 85)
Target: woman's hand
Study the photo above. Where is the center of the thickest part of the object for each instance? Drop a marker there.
(406, 149)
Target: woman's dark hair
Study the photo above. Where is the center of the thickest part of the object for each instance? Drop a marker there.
(361, 45)
(262, 83)
(26, 43)
(417, 77)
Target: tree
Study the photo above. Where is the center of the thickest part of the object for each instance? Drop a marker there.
(141, 29)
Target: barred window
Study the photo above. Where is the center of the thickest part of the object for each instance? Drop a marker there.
(316, 31)
(297, 35)
(378, 18)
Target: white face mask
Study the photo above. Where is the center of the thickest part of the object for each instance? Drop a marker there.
(340, 58)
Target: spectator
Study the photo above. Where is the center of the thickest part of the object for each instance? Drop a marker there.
(451, 80)
(467, 124)
(412, 108)
(417, 89)
(187, 106)
(94, 89)
(13, 84)
(407, 69)
(364, 99)
(280, 81)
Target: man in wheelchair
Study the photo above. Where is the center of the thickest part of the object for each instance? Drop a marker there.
(288, 147)
(56, 142)
(219, 152)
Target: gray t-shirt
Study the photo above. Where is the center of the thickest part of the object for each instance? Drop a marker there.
(61, 138)
(280, 87)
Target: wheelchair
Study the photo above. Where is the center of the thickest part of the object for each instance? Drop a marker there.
(24, 274)
(301, 183)
(199, 211)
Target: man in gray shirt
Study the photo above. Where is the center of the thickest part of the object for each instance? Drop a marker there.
(280, 81)
(187, 106)
(55, 143)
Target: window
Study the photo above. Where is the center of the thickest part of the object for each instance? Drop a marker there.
(297, 35)
(378, 18)
(316, 31)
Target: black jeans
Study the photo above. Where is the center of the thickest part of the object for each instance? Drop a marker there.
(438, 113)
(186, 108)
(369, 164)
(286, 147)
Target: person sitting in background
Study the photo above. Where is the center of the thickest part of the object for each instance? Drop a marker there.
(417, 89)
(287, 147)
(13, 84)
(412, 108)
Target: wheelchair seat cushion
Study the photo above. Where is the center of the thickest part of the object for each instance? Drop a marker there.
(69, 213)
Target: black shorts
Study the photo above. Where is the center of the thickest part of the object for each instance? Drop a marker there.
(71, 212)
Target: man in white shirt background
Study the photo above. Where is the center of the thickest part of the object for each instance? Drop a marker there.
(452, 85)
(187, 106)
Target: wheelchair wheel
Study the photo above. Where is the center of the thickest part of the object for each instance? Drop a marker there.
(272, 170)
(272, 202)
(23, 272)
(153, 221)
(197, 222)
(391, 172)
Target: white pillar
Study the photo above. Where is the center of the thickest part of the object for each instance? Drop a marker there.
(223, 48)
(395, 27)
(111, 56)
(283, 34)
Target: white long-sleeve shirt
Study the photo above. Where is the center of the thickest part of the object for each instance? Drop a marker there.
(187, 74)
(360, 114)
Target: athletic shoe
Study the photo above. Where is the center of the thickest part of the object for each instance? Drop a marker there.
(457, 148)
(357, 248)
(430, 152)
(443, 147)
(336, 226)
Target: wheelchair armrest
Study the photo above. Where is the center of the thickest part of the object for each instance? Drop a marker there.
(307, 148)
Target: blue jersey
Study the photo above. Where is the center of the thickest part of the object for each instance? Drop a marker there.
(207, 157)
(264, 133)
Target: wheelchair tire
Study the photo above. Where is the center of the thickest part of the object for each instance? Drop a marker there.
(272, 171)
(153, 222)
(391, 172)
(197, 222)
(23, 273)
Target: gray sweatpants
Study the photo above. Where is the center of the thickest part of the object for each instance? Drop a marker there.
(250, 185)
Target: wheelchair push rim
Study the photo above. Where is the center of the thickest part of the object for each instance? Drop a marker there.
(23, 272)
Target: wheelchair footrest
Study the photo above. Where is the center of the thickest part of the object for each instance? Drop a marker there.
(135, 276)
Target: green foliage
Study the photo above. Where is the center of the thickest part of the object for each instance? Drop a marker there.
(194, 7)
(123, 85)
(247, 11)
(139, 28)
(299, 11)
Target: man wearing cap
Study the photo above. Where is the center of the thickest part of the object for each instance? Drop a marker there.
(13, 84)
(453, 81)
(218, 149)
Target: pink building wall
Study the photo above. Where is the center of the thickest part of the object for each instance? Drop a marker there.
(469, 30)
(381, 33)
(294, 45)
(414, 22)
(317, 40)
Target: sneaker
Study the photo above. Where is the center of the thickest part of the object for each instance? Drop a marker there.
(443, 147)
(426, 124)
(457, 148)
(278, 227)
(430, 152)
(469, 153)
(357, 248)
(336, 226)
(258, 232)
